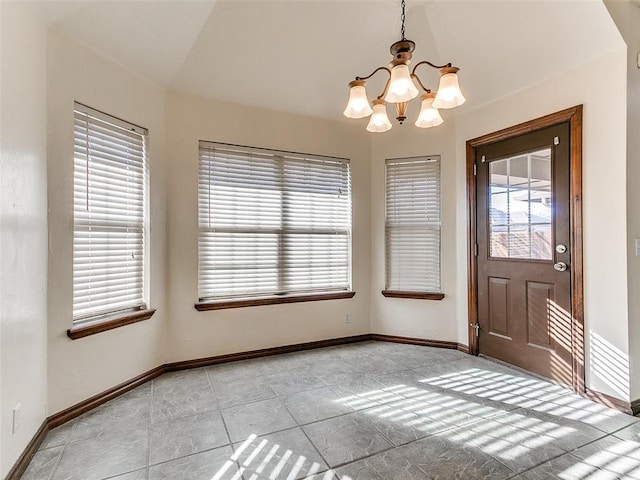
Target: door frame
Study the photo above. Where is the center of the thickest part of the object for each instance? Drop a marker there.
(572, 116)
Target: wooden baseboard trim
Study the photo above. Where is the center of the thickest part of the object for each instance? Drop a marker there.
(264, 352)
(415, 341)
(612, 402)
(97, 400)
(635, 408)
(89, 404)
(463, 348)
(22, 463)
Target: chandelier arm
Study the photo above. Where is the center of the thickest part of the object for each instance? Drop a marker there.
(425, 62)
(386, 89)
(374, 72)
(415, 77)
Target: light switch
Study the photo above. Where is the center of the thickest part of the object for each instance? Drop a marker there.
(637, 247)
(638, 59)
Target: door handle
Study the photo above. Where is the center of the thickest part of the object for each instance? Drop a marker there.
(560, 266)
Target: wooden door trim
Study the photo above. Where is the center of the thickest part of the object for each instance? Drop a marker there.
(572, 116)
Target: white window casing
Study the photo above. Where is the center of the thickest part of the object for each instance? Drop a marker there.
(109, 223)
(272, 223)
(412, 224)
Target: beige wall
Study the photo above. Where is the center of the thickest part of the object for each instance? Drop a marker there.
(81, 368)
(23, 229)
(191, 334)
(627, 17)
(195, 334)
(408, 317)
(78, 369)
(74, 370)
(604, 201)
(605, 246)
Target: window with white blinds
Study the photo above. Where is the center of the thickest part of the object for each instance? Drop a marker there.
(412, 226)
(271, 223)
(109, 216)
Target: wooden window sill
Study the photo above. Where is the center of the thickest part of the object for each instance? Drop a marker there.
(253, 302)
(75, 333)
(416, 295)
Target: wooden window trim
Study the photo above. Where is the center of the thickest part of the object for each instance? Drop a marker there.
(273, 300)
(415, 295)
(573, 116)
(75, 333)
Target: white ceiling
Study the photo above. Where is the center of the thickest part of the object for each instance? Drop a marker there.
(299, 55)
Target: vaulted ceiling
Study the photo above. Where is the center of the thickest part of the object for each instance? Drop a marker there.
(299, 55)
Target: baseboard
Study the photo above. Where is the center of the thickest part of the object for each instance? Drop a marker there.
(635, 407)
(89, 404)
(22, 463)
(420, 341)
(612, 402)
(97, 400)
(264, 352)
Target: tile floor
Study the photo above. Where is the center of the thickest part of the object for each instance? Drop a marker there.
(367, 411)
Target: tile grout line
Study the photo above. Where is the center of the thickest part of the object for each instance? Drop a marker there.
(149, 427)
(305, 368)
(224, 424)
(307, 437)
(57, 463)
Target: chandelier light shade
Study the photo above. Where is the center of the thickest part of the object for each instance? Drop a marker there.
(358, 105)
(379, 121)
(402, 86)
(449, 94)
(429, 116)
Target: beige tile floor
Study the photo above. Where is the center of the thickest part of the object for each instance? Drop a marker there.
(367, 411)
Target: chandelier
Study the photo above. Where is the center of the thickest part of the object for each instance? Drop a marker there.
(401, 87)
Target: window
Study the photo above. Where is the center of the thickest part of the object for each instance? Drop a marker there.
(412, 226)
(272, 223)
(109, 217)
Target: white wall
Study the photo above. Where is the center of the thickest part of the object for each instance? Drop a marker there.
(429, 319)
(78, 369)
(604, 184)
(194, 334)
(627, 17)
(23, 229)
(604, 202)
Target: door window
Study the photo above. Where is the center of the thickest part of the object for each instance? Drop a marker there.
(520, 206)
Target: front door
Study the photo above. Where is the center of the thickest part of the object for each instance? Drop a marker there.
(524, 256)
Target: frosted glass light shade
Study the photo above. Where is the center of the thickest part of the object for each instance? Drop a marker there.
(379, 121)
(358, 104)
(449, 94)
(429, 116)
(401, 87)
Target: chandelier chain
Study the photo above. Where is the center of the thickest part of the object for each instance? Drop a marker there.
(402, 17)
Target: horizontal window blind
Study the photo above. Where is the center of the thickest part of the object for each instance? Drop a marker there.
(109, 215)
(271, 222)
(412, 226)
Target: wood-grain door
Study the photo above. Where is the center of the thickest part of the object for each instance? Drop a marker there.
(524, 257)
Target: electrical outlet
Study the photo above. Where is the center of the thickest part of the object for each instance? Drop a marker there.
(347, 319)
(17, 418)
